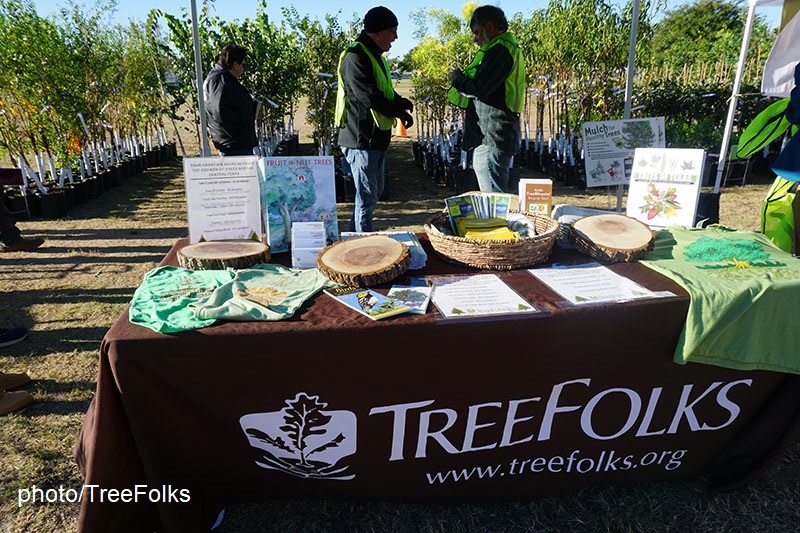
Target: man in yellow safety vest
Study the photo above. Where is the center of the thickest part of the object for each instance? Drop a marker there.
(492, 90)
(366, 107)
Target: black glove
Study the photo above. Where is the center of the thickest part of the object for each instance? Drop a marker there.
(406, 119)
(406, 104)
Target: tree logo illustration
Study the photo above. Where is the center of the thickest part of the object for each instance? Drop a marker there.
(303, 439)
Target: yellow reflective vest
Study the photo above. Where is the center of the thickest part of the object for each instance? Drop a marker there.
(381, 73)
(515, 81)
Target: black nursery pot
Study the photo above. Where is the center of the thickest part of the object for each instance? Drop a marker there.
(173, 150)
(16, 204)
(139, 163)
(69, 196)
(92, 190)
(52, 205)
(100, 179)
(81, 189)
(113, 177)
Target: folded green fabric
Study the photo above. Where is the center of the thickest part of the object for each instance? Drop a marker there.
(263, 292)
(162, 301)
(744, 291)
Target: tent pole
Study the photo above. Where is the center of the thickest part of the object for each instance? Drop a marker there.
(737, 83)
(205, 150)
(629, 81)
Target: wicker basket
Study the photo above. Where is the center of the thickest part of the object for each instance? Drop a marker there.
(494, 254)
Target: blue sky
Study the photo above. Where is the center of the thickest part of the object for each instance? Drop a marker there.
(241, 9)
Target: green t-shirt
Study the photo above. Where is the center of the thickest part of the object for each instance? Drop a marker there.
(263, 292)
(162, 301)
(744, 293)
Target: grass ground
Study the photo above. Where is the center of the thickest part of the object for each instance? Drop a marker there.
(69, 292)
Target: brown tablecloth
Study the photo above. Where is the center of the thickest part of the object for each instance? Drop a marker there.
(330, 404)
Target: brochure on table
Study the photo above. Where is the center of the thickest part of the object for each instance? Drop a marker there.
(368, 302)
(308, 240)
(483, 296)
(665, 186)
(416, 296)
(222, 198)
(592, 283)
(609, 143)
(297, 189)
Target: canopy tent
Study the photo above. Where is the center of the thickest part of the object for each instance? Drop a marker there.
(778, 79)
(791, 48)
(205, 149)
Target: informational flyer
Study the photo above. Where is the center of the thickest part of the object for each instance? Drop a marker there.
(297, 189)
(222, 198)
(592, 283)
(479, 296)
(610, 144)
(665, 186)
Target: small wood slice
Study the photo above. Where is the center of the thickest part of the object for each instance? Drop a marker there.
(364, 261)
(612, 238)
(219, 255)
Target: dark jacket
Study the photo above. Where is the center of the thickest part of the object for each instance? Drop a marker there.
(362, 94)
(488, 120)
(231, 111)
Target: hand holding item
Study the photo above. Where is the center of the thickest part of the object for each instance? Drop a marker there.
(406, 104)
(455, 73)
(407, 120)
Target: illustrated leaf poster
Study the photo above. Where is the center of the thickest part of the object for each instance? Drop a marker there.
(297, 189)
(665, 186)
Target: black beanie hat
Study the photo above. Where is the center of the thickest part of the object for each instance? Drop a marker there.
(378, 19)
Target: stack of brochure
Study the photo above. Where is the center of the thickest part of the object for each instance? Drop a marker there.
(492, 207)
(308, 239)
(418, 255)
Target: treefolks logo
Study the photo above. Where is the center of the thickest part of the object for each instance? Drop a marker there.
(303, 439)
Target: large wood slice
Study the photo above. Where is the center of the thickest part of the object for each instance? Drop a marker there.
(364, 261)
(219, 255)
(612, 238)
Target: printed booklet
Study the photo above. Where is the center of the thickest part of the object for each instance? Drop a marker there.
(417, 297)
(368, 302)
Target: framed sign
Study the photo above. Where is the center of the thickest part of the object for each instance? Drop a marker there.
(665, 185)
(297, 189)
(610, 144)
(222, 198)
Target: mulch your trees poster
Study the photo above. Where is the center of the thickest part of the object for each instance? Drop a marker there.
(297, 189)
(609, 143)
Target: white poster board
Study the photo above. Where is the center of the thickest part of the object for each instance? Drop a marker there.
(222, 198)
(665, 185)
(609, 143)
(297, 189)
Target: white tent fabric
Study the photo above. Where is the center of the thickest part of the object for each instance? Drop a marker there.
(737, 82)
(778, 79)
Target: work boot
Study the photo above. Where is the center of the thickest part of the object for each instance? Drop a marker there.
(22, 245)
(9, 336)
(13, 381)
(11, 401)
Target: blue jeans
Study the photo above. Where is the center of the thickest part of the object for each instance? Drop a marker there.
(491, 168)
(367, 168)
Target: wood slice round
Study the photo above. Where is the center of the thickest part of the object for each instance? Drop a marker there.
(219, 255)
(612, 238)
(364, 261)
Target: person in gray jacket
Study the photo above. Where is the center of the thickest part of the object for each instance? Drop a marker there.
(230, 108)
(366, 107)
